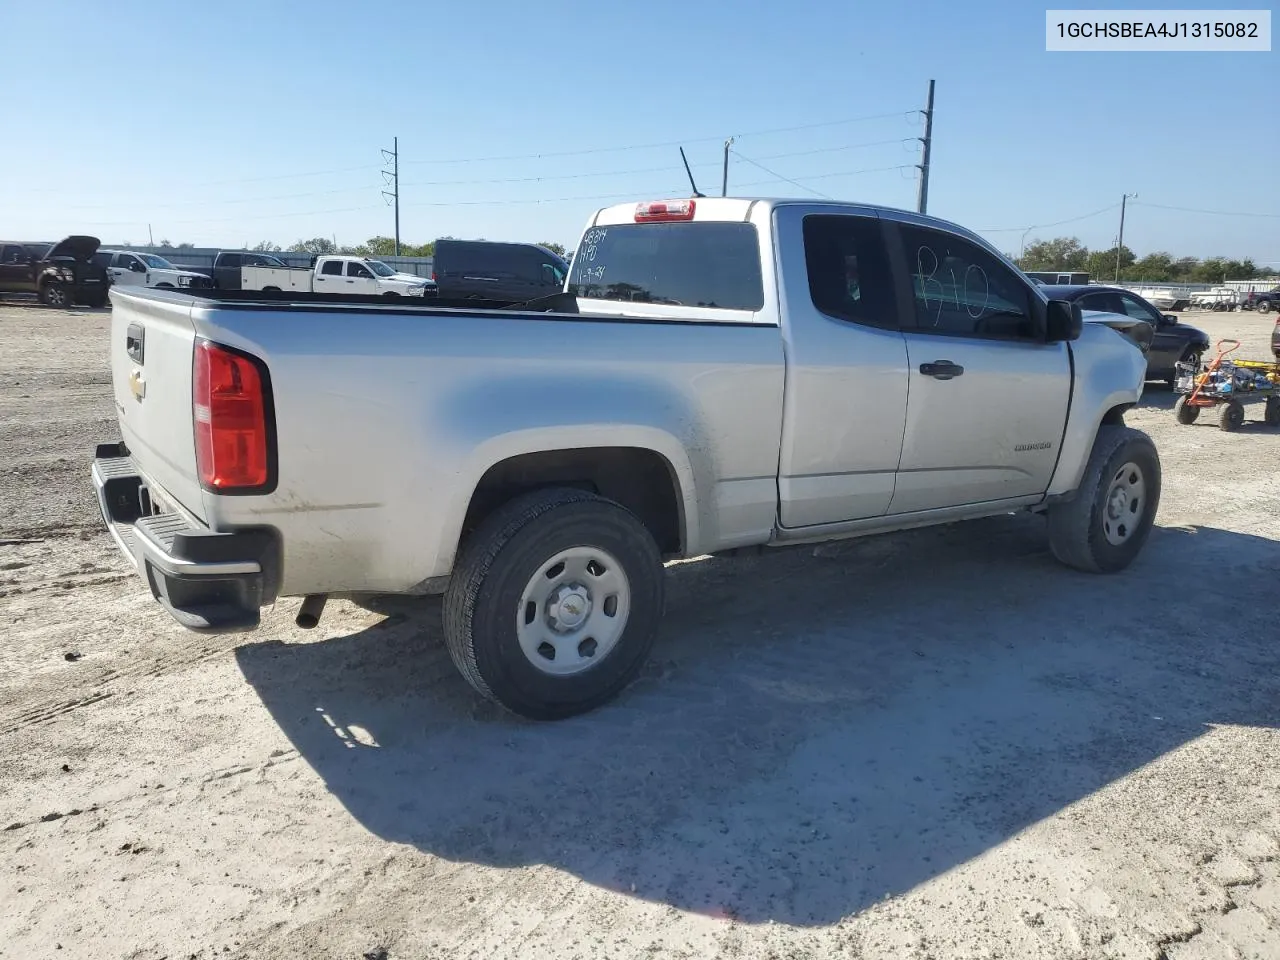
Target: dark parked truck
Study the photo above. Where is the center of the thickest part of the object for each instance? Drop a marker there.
(717, 374)
(226, 270)
(60, 274)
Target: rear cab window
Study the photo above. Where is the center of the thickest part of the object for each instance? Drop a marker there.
(682, 264)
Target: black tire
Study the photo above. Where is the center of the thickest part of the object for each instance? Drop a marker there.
(1272, 415)
(270, 289)
(165, 286)
(391, 295)
(1264, 306)
(1078, 528)
(55, 294)
(1231, 415)
(1185, 412)
(497, 563)
(1189, 355)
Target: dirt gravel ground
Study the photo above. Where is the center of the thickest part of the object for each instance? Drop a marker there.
(928, 746)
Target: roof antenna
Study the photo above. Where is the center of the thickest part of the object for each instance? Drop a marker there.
(690, 173)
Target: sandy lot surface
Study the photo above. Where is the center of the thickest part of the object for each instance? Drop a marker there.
(928, 746)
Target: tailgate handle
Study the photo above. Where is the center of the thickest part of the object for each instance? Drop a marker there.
(133, 342)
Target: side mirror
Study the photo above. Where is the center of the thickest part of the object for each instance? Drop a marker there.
(1170, 320)
(1063, 321)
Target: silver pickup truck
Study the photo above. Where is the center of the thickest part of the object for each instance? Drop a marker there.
(717, 374)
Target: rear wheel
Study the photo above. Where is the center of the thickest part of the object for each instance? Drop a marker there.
(1231, 415)
(1185, 412)
(270, 289)
(554, 603)
(55, 294)
(1105, 525)
(1264, 306)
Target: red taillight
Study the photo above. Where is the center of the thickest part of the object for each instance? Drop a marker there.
(229, 405)
(660, 210)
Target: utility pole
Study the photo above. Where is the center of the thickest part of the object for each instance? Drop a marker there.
(922, 198)
(392, 179)
(1120, 240)
(724, 183)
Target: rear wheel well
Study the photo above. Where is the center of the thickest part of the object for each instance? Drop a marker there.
(641, 480)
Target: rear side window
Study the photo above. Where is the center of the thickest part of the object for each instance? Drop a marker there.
(681, 264)
(12, 253)
(848, 267)
(1106, 301)
(332, 268)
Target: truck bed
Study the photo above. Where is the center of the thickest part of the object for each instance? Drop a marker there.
(387, 415)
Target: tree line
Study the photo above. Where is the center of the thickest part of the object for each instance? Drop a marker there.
(1068, 253)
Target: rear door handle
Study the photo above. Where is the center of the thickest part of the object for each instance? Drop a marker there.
(941, 369)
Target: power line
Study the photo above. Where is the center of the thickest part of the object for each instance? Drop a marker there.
(1219, 213)
(219, 203)
(632, 172)
(816, 193)
(479, 182)
(1045, 226)
(265, 216)
(667, 143)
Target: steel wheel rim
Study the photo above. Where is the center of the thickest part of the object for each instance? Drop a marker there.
(573, 610)
(57, 297)
(1124, 505)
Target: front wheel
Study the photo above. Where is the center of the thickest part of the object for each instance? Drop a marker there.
(1185, 413)
(554, 603)
(1104, 527)
(55, 294)
(1264, 306)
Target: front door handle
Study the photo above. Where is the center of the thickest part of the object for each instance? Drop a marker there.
(941, 369)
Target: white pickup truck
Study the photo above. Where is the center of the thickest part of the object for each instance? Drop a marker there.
(342, 275)
(130, 268)
(718, 374)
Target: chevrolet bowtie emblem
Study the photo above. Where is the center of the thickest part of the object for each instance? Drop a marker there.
(137, 385)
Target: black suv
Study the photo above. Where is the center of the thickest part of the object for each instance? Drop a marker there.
(488, 270)
(60, 274)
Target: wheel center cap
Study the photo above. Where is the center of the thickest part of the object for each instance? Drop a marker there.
(570, 607)
(1119, 503)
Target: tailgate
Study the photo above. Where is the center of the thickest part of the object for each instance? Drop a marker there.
(152, 341)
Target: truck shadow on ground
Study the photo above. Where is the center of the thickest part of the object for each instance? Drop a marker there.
(815, 729)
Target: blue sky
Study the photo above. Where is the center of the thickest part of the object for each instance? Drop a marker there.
(232, 122)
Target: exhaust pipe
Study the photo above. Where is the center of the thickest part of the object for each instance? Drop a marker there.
(309, 612)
